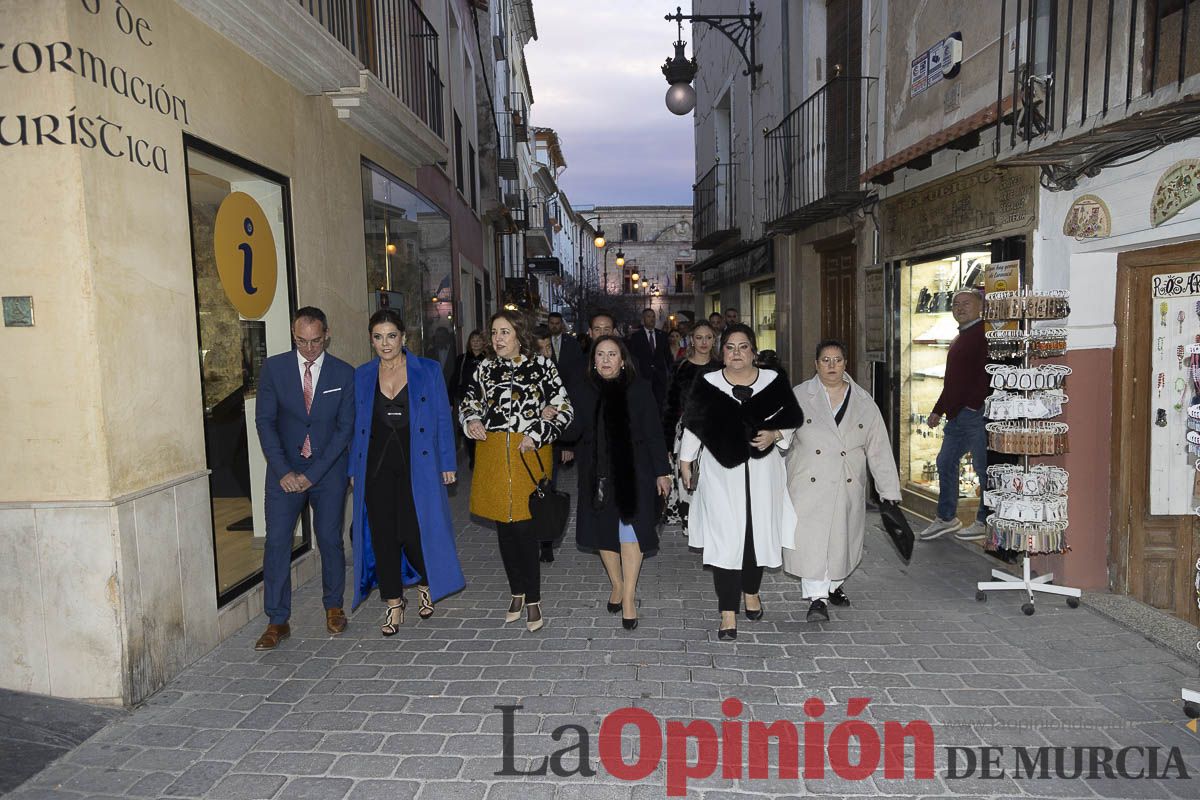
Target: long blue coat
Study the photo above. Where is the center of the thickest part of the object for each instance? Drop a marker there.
(431, 441)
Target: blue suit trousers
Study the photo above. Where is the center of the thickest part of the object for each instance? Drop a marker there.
(283, 509)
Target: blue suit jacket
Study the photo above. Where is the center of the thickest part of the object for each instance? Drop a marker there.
(431, 449)
(283, 423)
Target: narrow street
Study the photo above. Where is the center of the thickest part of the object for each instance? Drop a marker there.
(414, 716)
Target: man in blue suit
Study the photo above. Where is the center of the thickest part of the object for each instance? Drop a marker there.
(305, 418)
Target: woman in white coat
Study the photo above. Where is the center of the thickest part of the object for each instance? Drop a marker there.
(737, 421)
(827, 468)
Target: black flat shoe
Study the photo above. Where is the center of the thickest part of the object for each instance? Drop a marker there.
(629, 624)
(817, 612)
(726, 634)
(839, 598)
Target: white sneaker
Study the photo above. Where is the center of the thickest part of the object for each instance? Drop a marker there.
(974, 533)
(940, 527)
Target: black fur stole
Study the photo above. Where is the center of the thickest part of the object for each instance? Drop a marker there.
(615, 465)
(726, 426)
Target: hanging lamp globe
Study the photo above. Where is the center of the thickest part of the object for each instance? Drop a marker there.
(679, 72)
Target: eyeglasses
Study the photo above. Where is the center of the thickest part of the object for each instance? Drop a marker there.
(832, 361)
(308, 342)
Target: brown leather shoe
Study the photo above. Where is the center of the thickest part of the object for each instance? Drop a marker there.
(272, 636)
(335, 620)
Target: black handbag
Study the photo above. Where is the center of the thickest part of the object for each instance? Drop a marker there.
(897, 528)
(548, 507)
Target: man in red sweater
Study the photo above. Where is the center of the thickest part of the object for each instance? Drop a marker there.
(961, 403)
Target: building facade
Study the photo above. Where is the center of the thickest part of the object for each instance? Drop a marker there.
(200, 170)
(652, 243)
(904, 146)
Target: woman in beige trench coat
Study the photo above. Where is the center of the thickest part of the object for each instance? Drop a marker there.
(843, 436)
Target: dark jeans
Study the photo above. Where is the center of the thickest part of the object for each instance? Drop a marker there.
(395, 531)
(519, 550)
(963, 434)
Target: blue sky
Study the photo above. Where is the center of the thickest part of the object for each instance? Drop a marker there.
(596, 76)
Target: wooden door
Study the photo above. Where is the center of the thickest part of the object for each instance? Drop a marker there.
(1153, 556)
(838, 296)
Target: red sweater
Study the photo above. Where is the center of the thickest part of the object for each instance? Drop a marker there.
(966, 383)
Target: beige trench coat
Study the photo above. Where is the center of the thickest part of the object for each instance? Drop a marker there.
(827, 479)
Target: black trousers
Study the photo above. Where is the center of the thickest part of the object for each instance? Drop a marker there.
(731, 583)
(519, 550)
(392, 516)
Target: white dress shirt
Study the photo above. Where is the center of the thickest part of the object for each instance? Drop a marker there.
(316, 370)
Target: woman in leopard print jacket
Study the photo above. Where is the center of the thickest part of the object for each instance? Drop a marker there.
(515, 408)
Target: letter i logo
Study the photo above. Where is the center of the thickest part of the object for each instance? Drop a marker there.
(244, 249)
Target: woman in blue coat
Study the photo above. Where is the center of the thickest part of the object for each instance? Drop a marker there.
(401, 460)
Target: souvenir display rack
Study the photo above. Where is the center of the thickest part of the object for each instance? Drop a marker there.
(1028, 502)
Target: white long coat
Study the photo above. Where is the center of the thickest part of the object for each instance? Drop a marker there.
(827, 480)
(717, 516)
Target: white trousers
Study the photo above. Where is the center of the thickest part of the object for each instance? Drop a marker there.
(814, 589)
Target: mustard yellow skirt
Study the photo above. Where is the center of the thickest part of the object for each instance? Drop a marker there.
(500, 486)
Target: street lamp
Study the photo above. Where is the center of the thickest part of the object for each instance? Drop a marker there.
(620, 258)
(680, 71)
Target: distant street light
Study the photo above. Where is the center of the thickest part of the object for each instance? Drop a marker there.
(620, 258)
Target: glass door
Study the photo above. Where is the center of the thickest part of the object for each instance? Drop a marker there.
(243, 272)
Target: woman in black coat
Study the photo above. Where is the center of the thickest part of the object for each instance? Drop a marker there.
(623, 468)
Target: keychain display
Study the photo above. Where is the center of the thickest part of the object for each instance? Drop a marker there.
(1028, 438)
(1028, 305)
(1028, 379)
(1038, 479)
(1021, 508)
(1002, 405)
(1030, 537)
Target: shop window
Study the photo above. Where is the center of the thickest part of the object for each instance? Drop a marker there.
(714, 303)
(244, 278)
(762, 298)
(408, 261)
(927, 329)
(629, 231)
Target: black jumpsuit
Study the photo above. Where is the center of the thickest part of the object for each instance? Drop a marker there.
(391, 511)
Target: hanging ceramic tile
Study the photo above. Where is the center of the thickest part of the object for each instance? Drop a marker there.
(1177, 189)
(1088, 218)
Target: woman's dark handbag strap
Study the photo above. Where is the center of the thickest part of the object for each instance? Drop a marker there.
(537, 483)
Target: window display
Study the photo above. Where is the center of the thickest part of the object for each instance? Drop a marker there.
(927, 328)
(763, 318)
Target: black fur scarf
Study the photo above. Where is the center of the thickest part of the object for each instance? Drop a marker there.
(715, 416)
(614, 455)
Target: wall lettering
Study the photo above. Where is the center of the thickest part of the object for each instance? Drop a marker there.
(88, 132)
(91, 133)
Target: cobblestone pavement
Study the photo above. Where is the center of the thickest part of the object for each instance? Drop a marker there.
(414, 716)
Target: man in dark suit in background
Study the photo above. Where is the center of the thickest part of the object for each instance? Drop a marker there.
(305, 418)
(652, 355)
(564, 349)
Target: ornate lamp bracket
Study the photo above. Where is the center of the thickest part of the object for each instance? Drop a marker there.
(738, 28)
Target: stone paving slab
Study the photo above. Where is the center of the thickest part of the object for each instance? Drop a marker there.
(415, 716)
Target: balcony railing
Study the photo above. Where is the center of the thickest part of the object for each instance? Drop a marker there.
(1095, 81)
(814, 156)
(714, 217)
(396, 42)
(507, 156)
